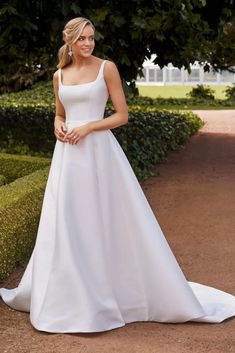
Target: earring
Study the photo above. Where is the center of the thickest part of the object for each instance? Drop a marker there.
(70, 51)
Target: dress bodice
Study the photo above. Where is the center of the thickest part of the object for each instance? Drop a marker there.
(84, 101)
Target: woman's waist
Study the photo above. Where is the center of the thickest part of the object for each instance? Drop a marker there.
(78, 122)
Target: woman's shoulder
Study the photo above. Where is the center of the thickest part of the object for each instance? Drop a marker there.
(108, 63)
(56, 75)
(110, 69)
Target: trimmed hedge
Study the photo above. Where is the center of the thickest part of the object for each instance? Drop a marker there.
(14, 166)
(149, 137)
(26, 128)
(42, 94)
(3, 180)
(146, 139)
(20, 207)
(177, 103)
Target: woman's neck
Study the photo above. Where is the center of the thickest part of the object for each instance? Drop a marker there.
(80, 61)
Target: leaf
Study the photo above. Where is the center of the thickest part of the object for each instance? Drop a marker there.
(75, 8)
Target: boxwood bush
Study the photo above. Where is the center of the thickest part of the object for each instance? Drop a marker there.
(146, 103)
(20, 207)
(202, 92)
(15, 166)
(230, 93)
(149, 137)
(42, 94)
(3, 180)
(146, 139)
(26, 127)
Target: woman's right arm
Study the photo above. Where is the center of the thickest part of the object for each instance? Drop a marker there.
(59, 121)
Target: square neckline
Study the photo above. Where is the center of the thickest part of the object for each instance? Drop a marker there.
(85, 83)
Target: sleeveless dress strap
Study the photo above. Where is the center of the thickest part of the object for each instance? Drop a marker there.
(101, 70)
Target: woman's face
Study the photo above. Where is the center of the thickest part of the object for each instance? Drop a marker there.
(85, 44)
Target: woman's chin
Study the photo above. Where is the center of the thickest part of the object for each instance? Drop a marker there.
(86, 54)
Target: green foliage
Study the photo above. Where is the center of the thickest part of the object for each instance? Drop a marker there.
(39, 94)
(20, 207)
(149, 137)
(28, 127)
(3, 180)
(164, 130)
(179, 32)
(15, 166)
(221, 51)
(147, 104)
(230, 93)
(202, 92)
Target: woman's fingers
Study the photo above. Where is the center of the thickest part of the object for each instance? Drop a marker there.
(64, 128)
(74, 139)
(59, 132)
(70, 133)
(59, 138)
(72, 136)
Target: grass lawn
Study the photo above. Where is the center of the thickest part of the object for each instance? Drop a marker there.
(175, 91)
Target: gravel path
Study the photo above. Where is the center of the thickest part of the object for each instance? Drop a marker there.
(193, 198)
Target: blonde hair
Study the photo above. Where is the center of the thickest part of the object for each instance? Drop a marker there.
(71, 33)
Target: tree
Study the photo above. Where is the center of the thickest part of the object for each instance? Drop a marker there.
(179, 32)
(221, 52)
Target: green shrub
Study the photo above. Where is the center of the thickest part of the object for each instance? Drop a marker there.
(148, 138)
(15, 166)
(3, 180)
(20, 207)
(32, 126)
(202, 92)
(230, 92)
(153, 104)
(40, 93)
(27, 126)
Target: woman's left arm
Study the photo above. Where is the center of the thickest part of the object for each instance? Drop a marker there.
(114, 85)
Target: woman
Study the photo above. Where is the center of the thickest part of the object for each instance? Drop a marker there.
(100, 259)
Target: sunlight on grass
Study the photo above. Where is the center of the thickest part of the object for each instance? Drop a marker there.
(175, 91)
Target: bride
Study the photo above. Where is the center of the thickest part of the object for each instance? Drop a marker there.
(100, 260)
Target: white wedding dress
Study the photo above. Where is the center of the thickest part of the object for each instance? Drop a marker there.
(100, 259)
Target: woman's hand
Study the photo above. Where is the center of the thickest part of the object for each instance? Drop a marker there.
(77, 133)
(60, 130)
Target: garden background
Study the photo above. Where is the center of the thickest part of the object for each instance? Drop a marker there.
(160, 118)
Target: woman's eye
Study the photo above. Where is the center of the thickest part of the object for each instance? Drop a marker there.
(82, 38)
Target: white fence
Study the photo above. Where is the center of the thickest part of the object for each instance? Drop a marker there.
(170, 75)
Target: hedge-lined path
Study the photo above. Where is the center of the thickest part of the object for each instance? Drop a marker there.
(193, 198)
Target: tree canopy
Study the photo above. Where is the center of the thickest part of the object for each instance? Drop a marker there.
(127, 32)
